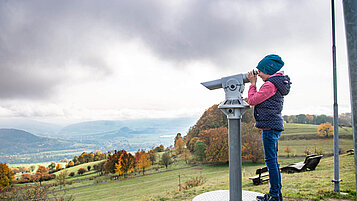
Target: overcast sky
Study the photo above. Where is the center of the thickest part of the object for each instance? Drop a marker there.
(70, 61)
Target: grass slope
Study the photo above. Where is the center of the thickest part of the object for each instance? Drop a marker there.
(305, 129)
(314, 185)
(324, 145)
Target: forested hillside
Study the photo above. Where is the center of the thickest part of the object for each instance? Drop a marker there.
(214, 118)
(208, 138)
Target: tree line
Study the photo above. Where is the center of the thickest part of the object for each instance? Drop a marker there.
(344, 119)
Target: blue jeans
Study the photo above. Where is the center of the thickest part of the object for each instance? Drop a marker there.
(270, 143)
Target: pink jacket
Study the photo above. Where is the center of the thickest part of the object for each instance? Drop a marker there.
(267, 90)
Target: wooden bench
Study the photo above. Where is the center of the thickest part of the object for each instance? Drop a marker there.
(259, 178)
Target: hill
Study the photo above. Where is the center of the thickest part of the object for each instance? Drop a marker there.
(31, 126)
(126, 127)
(14, 141)
(130, 135)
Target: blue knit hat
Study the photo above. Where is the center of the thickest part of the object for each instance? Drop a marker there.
(270, 64)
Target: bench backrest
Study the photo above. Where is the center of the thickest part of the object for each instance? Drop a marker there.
(312, 162)
(309, 156)
(262, 170)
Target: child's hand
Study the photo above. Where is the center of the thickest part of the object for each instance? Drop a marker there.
(252, 78)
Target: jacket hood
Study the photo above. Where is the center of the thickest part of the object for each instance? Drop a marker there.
(281, 81)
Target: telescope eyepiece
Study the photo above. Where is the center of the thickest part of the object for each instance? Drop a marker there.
(255, 72)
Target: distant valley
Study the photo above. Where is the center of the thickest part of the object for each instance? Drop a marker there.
(34, 141)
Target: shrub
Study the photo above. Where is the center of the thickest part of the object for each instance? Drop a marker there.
(81, 171)
(71, 174)
(33, 192)
(26, 178)
(48, 177)
(89, 167)
(194, 181)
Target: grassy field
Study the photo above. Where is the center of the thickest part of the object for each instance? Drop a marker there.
(323, 145)
(163, 184)
(315, 185)
(305, 129)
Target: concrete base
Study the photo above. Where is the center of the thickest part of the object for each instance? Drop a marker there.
(223, 195)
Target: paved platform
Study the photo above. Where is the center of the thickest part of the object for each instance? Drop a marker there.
(223, 195)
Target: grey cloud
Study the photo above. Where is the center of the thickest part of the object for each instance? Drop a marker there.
(43, 35)
(198, 30)
(37, 42)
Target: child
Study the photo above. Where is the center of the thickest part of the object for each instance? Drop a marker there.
(268, 102)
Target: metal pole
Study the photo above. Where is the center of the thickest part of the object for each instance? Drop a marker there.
(350, 15)
(235, 160)
(336, 179)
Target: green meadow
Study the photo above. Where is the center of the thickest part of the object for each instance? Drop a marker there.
(314, 185)
(163, 184)
(319, 145)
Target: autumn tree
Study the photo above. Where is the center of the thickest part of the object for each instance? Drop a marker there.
(137, 158)
(160, 148)
(26, 178)
(86, 157)
(70, 164)
(41, 173)
(6, 175)
(178, 136)
(205, 136)
(75, 160)
(179, 146)
(125, 164)
(166, 159)
(217, 150)
(99, 156)
(287, 150)
(144, 162)
(252, 145)
(91, 157)
(310, 119)
(200, 149)
(152, 156)
(192, 144)
(58, 166)
(52, 166)
(325, 129)
(112, 159)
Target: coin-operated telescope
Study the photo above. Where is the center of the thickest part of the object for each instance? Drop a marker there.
(234, 107)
